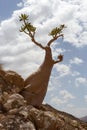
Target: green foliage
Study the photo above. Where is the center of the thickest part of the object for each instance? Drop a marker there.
(23, 17)
(26, 26)
(57, 31)
(29, 29)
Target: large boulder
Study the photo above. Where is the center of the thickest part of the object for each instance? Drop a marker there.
(10, 82)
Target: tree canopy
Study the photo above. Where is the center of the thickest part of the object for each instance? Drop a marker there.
(28, 28)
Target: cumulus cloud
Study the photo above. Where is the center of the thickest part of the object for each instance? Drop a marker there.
(64, 99)
(75, 73)
(85, 97)
(16, 49)
(66, 95)
(66, 70)
(20, 4)
(70, 15)
(63, 69)
(81, 81)
(70, 105)
(76, 60)
(57, 101)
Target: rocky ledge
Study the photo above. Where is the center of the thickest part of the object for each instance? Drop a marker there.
(16, 114)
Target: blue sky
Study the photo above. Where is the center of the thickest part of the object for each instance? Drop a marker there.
(67, 89)
(7, 7)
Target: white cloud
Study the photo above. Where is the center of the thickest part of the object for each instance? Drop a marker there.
(8, 31)
(64, 99)
(75, 73)
(51, 88)
(20, 4)
(83, 38)
(81, 81)
(57, 51)
(75, 10)
(16, 49)
(85, 97)
(52, 18)
(57, 101)
(66, 95)
(66, 70)
(76, 60)
(70, 105)
(63, 69)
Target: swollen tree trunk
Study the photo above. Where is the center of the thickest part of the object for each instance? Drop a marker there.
(36, 84)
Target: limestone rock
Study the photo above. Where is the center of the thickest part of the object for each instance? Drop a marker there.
(17, 114)
(27, 117)
(14, 101)
(10, 82)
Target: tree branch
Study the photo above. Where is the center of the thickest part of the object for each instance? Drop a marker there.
(33, 39)
(60, 58)
(38, 44)
(57, 61)
(54, 38)
(29, 29)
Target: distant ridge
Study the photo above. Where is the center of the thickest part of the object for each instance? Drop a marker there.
(84, 118)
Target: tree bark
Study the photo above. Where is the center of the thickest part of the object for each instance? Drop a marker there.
(36, 84)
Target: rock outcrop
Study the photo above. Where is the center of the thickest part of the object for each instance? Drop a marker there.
(10, 82)
(17, 114)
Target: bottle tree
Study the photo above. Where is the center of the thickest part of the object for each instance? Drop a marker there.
(35, 86)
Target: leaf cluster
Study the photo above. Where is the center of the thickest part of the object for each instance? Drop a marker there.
(23, 17)
(26, 26)
(30, 30)
(57, 31)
